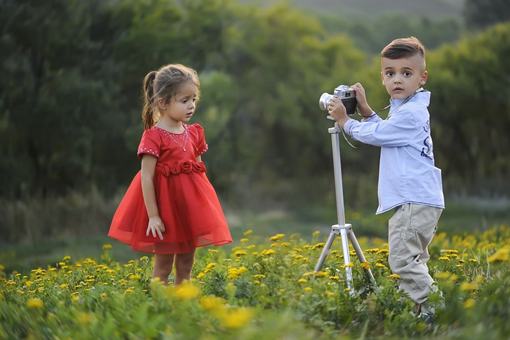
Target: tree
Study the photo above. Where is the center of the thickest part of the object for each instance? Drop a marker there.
(471, 109)
(483, 13)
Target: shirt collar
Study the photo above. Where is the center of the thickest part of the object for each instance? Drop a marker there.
(421, 96)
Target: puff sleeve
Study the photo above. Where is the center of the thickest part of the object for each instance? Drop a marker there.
(150, 144)
(200, 144)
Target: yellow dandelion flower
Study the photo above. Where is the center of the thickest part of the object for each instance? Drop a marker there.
(380, 265)
(210, 266)
(268, 252)
(277, 237)
(394, 276)
(302, 281)
(501, 255)
(201, 275)
(384, 251)
(84, 318)
(35, 303)
(187, 291)
(469, 303)
(211, 302)
(308, 289)
(107, 246)
(320, 274)
(442, 275)
(240, 252)
(365, 265)
(244, 240)
(134, 277)
(318, 245)
(75, 297)
(468, 286)
(248, 232)
(237, 318)
(444, 258)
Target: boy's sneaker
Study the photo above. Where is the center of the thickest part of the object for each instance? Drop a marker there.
(426, 312)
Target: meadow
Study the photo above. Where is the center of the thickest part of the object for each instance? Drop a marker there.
(262, 287)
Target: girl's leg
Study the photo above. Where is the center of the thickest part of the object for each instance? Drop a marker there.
(163, 264)
(183, 266)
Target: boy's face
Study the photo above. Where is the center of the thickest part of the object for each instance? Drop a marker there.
(402, 77)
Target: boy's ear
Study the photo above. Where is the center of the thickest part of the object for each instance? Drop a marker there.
(424, 77)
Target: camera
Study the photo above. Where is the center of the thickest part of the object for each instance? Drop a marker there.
(346, 94)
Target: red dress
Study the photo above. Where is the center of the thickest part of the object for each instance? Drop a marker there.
(187, 202)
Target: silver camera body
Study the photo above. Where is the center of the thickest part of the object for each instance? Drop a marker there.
(346, 94)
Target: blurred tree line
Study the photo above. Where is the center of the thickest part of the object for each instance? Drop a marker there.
(71, 82)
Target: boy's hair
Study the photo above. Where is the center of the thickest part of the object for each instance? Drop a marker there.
(164, 84)
(403, 48)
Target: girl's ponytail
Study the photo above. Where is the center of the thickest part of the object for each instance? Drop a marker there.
(148, 103)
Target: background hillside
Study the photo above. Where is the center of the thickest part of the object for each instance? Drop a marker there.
(363, 9)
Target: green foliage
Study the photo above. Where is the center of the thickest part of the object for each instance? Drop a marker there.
(471, 108)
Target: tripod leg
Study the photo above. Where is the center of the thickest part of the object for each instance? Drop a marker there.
(360, 255)
(347, 259)
(325, 250)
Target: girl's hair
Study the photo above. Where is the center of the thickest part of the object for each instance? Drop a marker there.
(164, 84)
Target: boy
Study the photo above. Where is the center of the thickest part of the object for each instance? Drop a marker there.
(408, 180)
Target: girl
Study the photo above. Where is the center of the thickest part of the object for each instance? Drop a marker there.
(170, 207)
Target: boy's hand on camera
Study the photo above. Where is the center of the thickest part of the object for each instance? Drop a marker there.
(337, 110)
(155, 226)
(363, 107)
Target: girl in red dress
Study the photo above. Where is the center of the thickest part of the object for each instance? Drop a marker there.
(170, 207)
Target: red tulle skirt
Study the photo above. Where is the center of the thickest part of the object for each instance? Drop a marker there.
(188, 207)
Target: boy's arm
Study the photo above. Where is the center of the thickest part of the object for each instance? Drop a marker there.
(396, 131)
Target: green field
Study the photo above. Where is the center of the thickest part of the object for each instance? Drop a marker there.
(262, 288)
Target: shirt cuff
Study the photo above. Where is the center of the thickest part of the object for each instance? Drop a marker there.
(369, 118)
(349, 125)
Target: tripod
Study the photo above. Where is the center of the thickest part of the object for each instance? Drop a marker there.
(345, 230)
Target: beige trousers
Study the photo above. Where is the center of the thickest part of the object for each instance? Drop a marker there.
(410, 231)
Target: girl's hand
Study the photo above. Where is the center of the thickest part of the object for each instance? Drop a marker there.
(155, 226)
(363, 107)
(337, 110)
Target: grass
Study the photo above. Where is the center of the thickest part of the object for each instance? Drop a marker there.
(460, 217)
